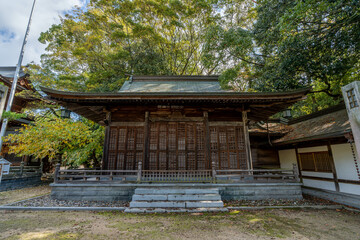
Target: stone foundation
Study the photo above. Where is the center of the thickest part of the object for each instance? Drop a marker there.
(124, 192)
(352, 200)
(19, 182)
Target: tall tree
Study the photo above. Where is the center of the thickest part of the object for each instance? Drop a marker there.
(97, 48)
(308, 43)
(263, 45)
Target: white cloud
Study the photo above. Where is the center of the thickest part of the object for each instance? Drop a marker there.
(14, 16)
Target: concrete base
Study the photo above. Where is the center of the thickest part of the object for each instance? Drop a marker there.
(93, 192)
(125, 191)
(343, 198)
(174, 210)
(19, 182)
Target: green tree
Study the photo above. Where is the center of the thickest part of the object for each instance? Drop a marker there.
(308, 43)
(264, 45)
(97, 48)
(281, 45)
(78, 141)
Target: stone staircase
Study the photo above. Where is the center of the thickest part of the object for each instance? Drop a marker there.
(176, 199)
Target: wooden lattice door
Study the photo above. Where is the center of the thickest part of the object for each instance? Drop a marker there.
(228, 147)
(177, 146)
(126, 147)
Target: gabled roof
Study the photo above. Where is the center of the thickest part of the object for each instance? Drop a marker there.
(178, 90)
(10, 71)
(328, 123)
(172, 84)
(7, 76)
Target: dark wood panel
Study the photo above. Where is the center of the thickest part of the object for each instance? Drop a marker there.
(177, 146)
(126, 147)
(227, 146)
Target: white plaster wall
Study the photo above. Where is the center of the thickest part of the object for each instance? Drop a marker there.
(318, 174)
(319, 184)
(344, 162)
(287, 158)
(349, 188)
(313, 149)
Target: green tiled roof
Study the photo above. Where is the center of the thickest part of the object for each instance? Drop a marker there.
(173, 84)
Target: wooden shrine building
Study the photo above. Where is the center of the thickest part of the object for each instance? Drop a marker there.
(176, 122)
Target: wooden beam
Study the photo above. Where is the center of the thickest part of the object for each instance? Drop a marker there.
(298, 163)
(333, 168)
(207, 140)
(129, 124)
(247, 140)
(106, 142)
(145, 162)
(227, 124)
(332, 180)
(177, 119)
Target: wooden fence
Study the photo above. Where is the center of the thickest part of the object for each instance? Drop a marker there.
(139, 175)
(24, 171)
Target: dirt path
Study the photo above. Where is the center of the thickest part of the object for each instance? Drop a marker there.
(22, 194)
(265, 224)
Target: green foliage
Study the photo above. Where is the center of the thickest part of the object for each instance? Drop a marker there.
(308, 43)
(13, 115)
(282, 45)
(79, 142)
(265, 45)
(98, 48)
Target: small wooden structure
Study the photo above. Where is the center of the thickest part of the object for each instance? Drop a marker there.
(173, 126)
(20, 102)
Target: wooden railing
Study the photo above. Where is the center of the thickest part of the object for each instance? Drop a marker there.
(104, 176)
(176, 176)
(24, 171)
(139, 175)
(259, 175)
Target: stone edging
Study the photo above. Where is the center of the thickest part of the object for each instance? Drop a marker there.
(288, 207)
(14, 208)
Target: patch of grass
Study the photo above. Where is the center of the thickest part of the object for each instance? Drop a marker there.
(11, 196)
(309, 224)
(48, 235)
(29, 223)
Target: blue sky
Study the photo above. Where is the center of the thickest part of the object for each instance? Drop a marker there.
(14, 15)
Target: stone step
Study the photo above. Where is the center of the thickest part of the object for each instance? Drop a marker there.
(177, 197)
(162, 191)
(177, 204)
(178, 210)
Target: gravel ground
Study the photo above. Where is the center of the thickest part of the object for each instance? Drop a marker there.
(11, 196)
(306, 201)
(46, 201)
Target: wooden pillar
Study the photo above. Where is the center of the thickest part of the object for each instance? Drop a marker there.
(207, 140)
(56, 176)
(106, 141)
(333, 168)
(247, 140)
(145, 162)
(298, 163)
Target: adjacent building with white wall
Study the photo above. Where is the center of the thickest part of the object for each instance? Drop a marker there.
(321, 145)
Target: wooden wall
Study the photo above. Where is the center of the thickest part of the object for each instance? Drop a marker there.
(174, 138)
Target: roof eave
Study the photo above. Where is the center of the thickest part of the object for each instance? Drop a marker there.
(173, 95)
(312, 138)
